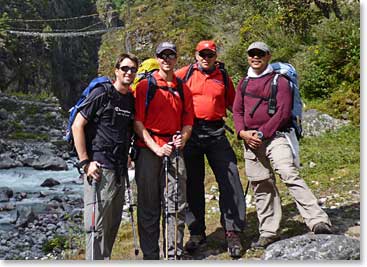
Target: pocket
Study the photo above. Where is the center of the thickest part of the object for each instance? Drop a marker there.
(249, 154)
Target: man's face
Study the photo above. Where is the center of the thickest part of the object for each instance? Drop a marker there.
(167, 60)
(126, 73)
(258, 60)
(206, 58)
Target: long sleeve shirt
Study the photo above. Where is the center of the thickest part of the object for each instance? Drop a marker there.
(260, 119)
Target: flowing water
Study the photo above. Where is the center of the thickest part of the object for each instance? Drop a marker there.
(29, 180)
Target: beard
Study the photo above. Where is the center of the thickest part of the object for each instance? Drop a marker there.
(123, 82)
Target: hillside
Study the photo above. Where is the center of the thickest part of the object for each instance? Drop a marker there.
(320, 38)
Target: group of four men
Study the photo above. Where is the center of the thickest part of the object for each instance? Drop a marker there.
(182, 122)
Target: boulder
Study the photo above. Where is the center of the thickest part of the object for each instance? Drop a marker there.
(25, 216)
(5, 194)
(314, 247)
(7, 206)
(6, 162)
(50, 182)
(47, 162)
(315, 123)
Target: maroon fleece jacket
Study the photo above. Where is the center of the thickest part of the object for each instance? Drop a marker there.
(261, 120)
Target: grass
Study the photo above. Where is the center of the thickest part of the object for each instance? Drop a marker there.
(335, 174)
(20, 135)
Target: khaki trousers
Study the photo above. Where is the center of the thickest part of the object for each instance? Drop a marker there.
(110, 201)
(275, 155)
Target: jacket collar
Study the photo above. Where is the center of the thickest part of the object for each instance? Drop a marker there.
(251, 73)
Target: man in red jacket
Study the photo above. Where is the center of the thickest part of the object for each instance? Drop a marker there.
(211, 98)
(156, 127)
(267, 148)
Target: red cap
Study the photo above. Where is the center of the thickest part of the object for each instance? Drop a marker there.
(206, 44)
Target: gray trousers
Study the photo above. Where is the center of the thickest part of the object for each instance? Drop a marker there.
(110, 201)
(276, 154)
(151, 185)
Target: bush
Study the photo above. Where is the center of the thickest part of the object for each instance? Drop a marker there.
(333, 61)
(58, 242)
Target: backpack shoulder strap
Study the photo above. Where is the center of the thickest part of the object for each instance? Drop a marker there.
(109, 91)
(180, 90)
(273, 93)
(243, 86)
(224, 74)
(152, 88)
(189, 72)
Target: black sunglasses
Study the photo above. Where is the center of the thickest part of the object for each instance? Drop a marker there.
(206, 55)
(167, 56)
(258, 53)
(127, 68)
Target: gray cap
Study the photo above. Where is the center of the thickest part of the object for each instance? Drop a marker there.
(166, 46)
(259, 45)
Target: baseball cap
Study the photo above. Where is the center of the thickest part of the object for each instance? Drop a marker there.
(206, 44)
(259, 45)
(166, 46)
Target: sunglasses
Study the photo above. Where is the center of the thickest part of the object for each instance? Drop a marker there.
(207, 55)
(127, 68)
(258, 53)
(167, 56)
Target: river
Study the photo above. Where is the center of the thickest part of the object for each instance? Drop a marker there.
(28, 180)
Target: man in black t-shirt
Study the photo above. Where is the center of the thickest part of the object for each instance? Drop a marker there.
(102, 141)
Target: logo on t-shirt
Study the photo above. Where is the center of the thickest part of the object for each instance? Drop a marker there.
(123, 112)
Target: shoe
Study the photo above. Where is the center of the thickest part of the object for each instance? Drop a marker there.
(322, 228)
(233, 244)
(194, 242)
(263, 242)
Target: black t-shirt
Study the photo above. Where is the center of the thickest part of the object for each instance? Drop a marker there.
(108, 135)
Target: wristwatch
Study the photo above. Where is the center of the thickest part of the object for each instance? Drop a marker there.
(83, 163)
(260, 135)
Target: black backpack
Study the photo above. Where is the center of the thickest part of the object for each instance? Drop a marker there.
(152, 89)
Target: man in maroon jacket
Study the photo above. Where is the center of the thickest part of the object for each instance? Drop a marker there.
(267, 148)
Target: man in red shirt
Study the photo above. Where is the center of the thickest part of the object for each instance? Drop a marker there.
(267, 148)
(211, 98)
(156, 127)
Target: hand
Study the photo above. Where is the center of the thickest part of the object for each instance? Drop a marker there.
(93, 170)
(164, 150)
(129, 162)
(178, 141)
(251, 138)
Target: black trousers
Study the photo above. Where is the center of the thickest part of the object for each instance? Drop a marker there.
(223, 162)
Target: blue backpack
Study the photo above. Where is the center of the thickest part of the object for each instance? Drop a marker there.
(107, 84)
(289, 72)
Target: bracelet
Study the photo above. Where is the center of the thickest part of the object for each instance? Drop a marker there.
(82, 163)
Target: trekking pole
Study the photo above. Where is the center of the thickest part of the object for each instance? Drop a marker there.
(165, 161)
(176, 194)
(247, 186)
(131, 210)
(93, 224)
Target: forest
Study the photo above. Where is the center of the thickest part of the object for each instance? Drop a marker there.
(320, 38)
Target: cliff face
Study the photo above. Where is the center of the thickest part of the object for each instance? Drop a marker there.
(33, 64)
